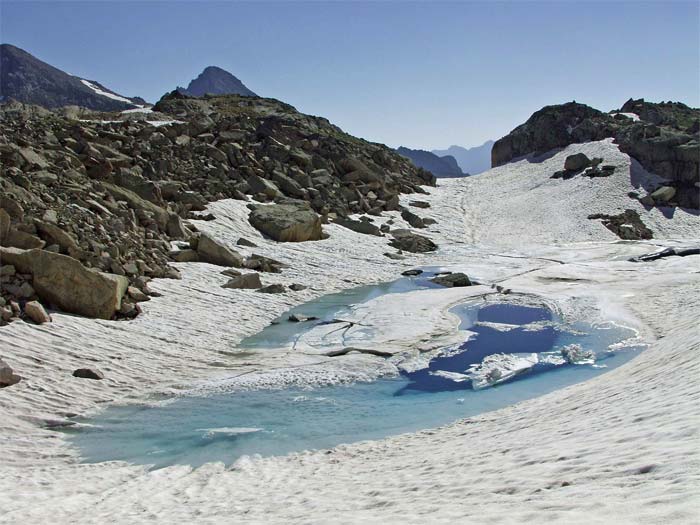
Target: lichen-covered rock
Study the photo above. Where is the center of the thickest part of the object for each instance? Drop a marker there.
(63, 281)
(292, 221)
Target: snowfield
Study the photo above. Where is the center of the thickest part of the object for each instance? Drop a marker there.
(105, 93)
(620, 448)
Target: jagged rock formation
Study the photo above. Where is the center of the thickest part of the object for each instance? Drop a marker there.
(441, 167)
(216, 81)
(25, 78)
(470, 160)
(665, 139)
(110, 192)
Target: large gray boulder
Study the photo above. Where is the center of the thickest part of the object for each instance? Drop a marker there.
(212, 251)
(66, 283)
(291, 221)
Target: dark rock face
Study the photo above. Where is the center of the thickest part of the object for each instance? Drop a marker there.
(27, 79)
(216, 81)
(627, 225)
(441, 167)
(669, 153)
(550, 128)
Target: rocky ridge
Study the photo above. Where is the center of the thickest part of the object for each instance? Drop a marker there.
(114, 192)
(664, 138)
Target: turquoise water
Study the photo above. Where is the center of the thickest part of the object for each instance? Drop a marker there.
(224, 427)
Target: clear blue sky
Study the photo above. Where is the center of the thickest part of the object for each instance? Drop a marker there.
(417, 74)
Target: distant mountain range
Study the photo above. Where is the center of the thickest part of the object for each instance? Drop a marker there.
(216, 81)
(442, 167)
(27, 79)
(471, 160)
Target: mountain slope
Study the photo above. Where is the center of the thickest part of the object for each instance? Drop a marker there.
(27, 79)
(471, 160)
(216, 81)
(442, 167)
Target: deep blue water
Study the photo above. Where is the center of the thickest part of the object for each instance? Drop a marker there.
(224, 427)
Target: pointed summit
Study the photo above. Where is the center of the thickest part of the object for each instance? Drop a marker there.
(216, 81)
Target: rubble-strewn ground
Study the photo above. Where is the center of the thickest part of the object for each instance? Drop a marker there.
(620, 448)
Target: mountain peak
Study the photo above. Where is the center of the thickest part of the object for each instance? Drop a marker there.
(214, 80)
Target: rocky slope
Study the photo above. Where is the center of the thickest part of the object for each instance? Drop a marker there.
(27, 79)
(215, 81)
(113, 191)
(663, 137)
(442, 167)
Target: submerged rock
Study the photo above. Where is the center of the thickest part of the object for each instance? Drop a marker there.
(575, 355)
(411, 273)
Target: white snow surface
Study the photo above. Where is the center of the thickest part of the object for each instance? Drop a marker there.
(620, 448)
(105, 93)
